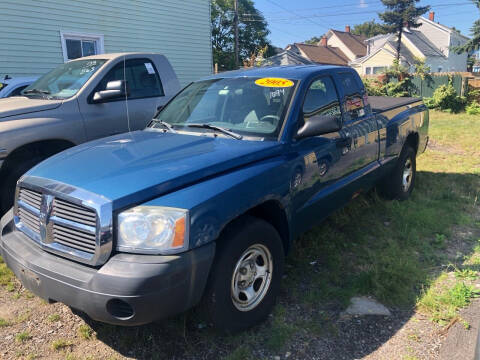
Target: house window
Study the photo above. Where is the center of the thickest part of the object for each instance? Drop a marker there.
(378, 69)
(368, 71)
(76, 45)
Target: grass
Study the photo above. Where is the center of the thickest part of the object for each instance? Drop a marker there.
(53, 317)
(61, 344)
(6, 276)
(4, 323)
(23, 336)
(85, 332)
(445, 297)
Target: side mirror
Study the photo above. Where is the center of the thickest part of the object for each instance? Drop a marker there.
(114, 90)
(319, 124)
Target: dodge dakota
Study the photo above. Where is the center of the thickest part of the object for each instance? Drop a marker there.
(78, 101)
(202, 206)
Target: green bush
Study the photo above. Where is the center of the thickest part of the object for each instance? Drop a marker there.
(445, 98)
(473, 108)
(373, 87)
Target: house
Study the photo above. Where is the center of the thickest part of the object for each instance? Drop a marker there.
(353, 46)
(285, 57)
(37, 36)
(431, 41)
(334, 48)
(321, 54)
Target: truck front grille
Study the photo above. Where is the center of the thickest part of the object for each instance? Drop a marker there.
(32, 198)
(29, 214)
(57, 224)
(76, 239)
(69, 211)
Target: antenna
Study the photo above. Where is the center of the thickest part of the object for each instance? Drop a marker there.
(126, 94)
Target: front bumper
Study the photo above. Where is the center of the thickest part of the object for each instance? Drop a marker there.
(127, 290)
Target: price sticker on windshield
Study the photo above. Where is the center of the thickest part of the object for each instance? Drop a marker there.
(274, 82)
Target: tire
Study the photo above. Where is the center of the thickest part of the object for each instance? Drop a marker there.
(248, 247)
(400, 183)
(7, 191)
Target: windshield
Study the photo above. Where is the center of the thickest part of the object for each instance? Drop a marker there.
(65, 80)
(247, 106)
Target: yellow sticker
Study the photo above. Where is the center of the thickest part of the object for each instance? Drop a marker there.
(274, 82)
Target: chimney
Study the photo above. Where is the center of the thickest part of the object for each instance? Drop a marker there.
(431, 16)
(347, 28)
(323, 41)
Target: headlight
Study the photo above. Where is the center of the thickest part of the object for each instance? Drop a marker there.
(153, 230)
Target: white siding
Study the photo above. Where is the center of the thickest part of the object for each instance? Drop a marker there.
(30, 32)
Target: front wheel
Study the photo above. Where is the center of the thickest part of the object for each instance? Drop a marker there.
(246, 275)
(400, 183)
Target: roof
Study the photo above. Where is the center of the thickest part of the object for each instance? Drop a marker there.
(422, 43)
(404, 53)
(356, 43)
(323, 54)
(294, 72)
(286, 57)
(442, 27)
(111, 56)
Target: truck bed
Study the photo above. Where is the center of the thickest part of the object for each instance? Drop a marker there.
(384, 103)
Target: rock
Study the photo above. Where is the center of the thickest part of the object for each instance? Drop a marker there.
(362, 305)
(276, 357)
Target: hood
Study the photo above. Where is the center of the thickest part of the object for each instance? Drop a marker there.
(19, 105)
(135, 167)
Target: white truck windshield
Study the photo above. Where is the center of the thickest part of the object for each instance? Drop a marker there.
(65, 80)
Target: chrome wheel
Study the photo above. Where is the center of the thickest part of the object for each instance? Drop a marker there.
(407, 175)
(251, 277)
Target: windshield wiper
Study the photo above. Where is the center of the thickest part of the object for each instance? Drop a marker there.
(217, 128)
(36, 91)
(164, 124)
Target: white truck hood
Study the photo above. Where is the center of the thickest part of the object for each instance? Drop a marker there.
(19, 105)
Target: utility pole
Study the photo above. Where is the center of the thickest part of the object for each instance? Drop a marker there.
(235, 26)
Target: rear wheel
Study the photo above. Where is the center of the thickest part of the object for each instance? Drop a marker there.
(400, 183)
(246, 276)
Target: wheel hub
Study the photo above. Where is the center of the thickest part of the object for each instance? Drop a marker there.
(251, 277)
(407, 175)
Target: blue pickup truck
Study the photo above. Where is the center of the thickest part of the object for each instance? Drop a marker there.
(203, 205)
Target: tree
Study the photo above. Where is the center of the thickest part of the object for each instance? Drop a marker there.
(252, 32)
(368, 29)
(400, 14)
(474, 43)
(313, 41)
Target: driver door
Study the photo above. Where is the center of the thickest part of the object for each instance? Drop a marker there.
(115, 116)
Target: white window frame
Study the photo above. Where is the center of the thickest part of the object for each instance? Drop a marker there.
(98, 38)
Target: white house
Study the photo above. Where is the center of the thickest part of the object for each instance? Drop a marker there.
(36, 36)
(431, 41)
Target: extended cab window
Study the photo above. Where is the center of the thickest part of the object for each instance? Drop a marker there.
(354, 105)
(322, 98)
(141, 76)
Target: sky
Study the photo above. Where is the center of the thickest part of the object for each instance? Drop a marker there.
(299, 20)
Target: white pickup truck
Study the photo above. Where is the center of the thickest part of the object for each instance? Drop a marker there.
(82, 100)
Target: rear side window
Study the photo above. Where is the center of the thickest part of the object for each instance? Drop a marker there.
(142, 78)
(322, 98)
(354, 104)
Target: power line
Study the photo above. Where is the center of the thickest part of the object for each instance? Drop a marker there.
(291, 12)
(309, 17)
